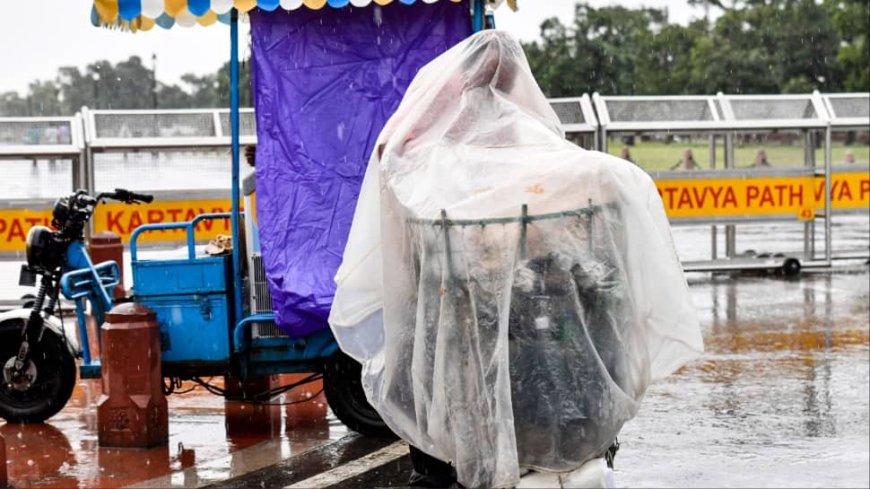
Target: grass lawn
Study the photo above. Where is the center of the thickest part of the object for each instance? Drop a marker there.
(657, 155)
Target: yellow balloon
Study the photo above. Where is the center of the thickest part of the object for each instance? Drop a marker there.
(245, 5)
(107, 9)
(175, 7)
(207, 19)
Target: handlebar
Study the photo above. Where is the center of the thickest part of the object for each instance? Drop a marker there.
(126, 196)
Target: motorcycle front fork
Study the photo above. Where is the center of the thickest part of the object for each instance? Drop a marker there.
(32, 331)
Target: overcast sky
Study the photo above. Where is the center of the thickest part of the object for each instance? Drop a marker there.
(38, 36)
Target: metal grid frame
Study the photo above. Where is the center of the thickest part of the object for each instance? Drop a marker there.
(590, 121)
(839, 122)
(218, 140)
(608, 125)
(724, 123)
(72, 150)
(736, 124)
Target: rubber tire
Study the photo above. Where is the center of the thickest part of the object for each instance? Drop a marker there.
(791, 267)
(342, 384)
(57, 388)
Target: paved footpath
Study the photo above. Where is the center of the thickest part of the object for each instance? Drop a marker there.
(781, 398)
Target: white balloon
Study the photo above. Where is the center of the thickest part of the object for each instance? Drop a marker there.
(291, 4)
(152, 8)
(360, 3)
(185, 18)
(221, 6)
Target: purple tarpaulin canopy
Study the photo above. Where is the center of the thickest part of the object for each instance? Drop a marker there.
(325, 82)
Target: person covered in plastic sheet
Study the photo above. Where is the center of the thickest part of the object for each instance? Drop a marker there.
(509, 294)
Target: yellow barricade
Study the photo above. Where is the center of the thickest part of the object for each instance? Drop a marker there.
(685, 197)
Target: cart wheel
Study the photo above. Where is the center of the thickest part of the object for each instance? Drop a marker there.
(342, 384)
(791, 267)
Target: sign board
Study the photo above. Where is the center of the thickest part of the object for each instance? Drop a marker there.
(687, 196)
(122, 219)
(746, 194)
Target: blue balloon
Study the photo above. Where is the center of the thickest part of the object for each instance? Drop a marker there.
(129, 9)
(165, 21)
(198, 7)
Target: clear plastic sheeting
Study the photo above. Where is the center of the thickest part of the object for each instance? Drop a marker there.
(510, 295)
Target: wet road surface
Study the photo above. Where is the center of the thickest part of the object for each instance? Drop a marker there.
(780, 399)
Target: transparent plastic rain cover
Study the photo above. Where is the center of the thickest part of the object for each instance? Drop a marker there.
(510, 295)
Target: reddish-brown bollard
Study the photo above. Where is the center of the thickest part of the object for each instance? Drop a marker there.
(4, 479)
(107, 246)
(132, 410)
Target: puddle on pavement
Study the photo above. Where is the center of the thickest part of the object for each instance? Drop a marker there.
(210, 440)
(780, 398)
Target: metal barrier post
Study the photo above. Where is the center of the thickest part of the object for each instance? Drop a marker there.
(714, 251)
(79, 161)
(828, 206)
(809, 226)
(730, 231)
(87, 177)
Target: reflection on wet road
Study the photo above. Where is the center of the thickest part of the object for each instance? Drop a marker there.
(781, 398)
(210, 440)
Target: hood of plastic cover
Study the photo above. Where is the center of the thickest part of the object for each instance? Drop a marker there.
(510, 295)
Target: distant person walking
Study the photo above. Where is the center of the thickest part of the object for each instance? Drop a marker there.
(849, 157)
(760, 160)
(687, 162)
(626, 154)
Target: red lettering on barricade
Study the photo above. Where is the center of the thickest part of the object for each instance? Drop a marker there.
(702, 197)
(15, 230)
(752, 192)
(796, 195)
(113, 222)
(226, 222)
(865, 189)
(820, 191)
(173, 214)
(154, 216)
(685, 199)
(717, 191)
(3, 226)
(134, 222)
(730, 198)
(767, 197)
(189, 215)
(845, 193)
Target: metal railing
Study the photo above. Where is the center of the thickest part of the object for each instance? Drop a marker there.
(103, 140)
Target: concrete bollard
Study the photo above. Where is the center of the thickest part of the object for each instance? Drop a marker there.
(132, 410)
(4, 478)
(106, 246)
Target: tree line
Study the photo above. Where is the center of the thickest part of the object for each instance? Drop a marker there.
(753, 46)
(125, 85)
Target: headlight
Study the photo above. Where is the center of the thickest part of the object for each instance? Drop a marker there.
(41, 253)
